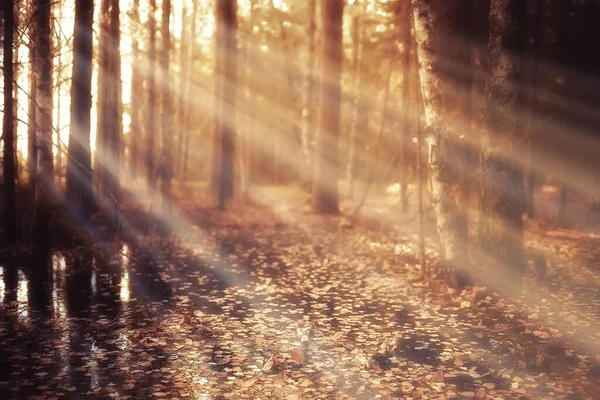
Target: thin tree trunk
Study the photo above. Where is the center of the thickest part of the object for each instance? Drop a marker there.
(357, 69)
(136, 97)
(31, 118)
(79, 165)
(441, 171)
(184, 60)
(565, 61)
(151, 109)
(10, 204)
(533, 106)
(188, 92)
(115, 152)
(45, 185)
(226, 58)
(166, 164)
(325, 182)
(309, 109)
(502, 189)
(58, 108)
(101, 166)
(407, 117)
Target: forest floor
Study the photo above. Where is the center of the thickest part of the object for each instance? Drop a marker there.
(218, 311)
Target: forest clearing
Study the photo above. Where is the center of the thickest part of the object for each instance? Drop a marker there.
(300, 199)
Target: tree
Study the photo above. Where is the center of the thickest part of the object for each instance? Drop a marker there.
(325, 181)
(226, 54)
(357, 94)
(10, 215)
(44, 183)
(530, 176)
(166, 164)
(31, 117)
(136, 98)
(309, 96)
(186, 125)
(79, 165)
(405, 140)
(151, 109)
(502, 189)
(442, 173)
(108, 134)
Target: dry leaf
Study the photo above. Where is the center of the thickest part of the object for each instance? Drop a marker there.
(298, 355)
(439, 376)
(249, 383)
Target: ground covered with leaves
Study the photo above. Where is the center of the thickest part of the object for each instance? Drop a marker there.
(268, 301)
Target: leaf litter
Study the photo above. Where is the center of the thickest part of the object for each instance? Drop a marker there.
(296, 310)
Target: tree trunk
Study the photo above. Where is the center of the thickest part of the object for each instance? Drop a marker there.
(151, 109)
(166, 164)
(101, 165)
(407, 117)
(184, 61)
(31, 118)
(565, 59)
(357, 96)
(45, 186)
(79, 165)
(467, 151)
(309, 99)
(226, 58)
(442, 174)
(502, 189)
(116, 149)
(8, 123)
(108, 134)
(188, 91)
(135, 133)
(325, 182)
(533, 107)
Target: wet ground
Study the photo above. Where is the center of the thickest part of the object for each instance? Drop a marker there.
(215, 314)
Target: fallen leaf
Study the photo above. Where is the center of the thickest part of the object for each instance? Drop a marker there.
(298, 355)
(439, 376)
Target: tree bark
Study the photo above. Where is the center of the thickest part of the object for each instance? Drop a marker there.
(31, 118)
(407, 117)
(309, 99)
(166, 164)
(325, 182)
(79, 165)
(151, 109)
(188, 91)
(184, 62)
(357, 96)
(8, 124)
(135, 133)
(442, 174)
(502, 189)
(530, 176)
(226, 59)
(45, 185)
